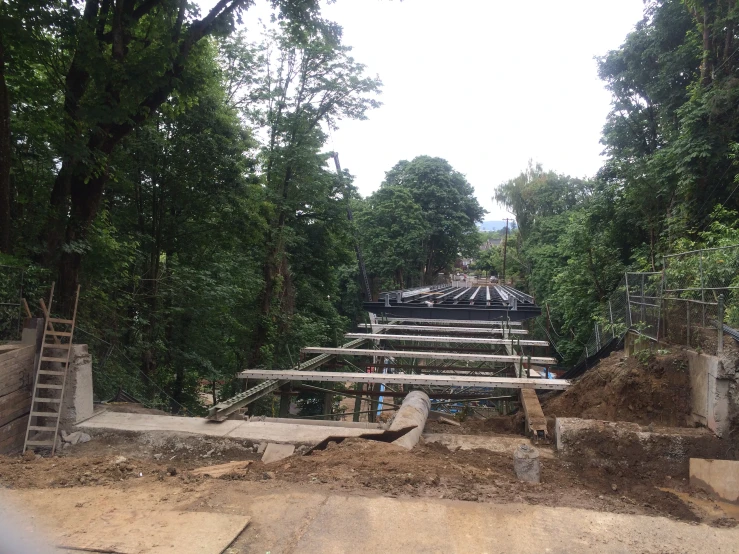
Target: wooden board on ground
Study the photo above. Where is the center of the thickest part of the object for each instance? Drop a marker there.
(106, 520)
(223, 469)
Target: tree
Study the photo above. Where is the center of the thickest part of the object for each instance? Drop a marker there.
(121, 61)
(448, 206)
(393, 232)
(308, 80)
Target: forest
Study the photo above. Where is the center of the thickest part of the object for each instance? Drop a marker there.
(177, 167)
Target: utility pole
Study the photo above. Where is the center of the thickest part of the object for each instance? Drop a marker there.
(505, 247)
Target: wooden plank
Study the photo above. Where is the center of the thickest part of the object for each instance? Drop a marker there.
(12, 435)
(22, 351)
(460, 340)
(408, 379)
(539, 360)
(536, 423)
(21, 377)
(14, 405)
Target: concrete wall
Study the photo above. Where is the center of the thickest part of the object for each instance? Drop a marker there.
(718, 477)
(16, 383)
(710, 382)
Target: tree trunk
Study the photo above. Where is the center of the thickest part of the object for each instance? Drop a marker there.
(5, 153)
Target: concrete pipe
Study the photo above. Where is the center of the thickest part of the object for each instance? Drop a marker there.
(413, 411)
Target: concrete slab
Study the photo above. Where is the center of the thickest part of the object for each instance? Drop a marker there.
(276, 452)
(119, 421)
(254, 431)
(500, 444)
(720, 477)
(292, 433)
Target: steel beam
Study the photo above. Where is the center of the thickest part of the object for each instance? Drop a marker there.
(471, 330)
(223, 409)
(401, 379)
(539, 360)
(460, 340)
(442, 322)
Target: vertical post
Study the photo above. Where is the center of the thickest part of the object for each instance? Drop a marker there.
(610, 312)
(628, 300)
(285, 401)
(597, 337)
(703, 289)
(505, 247)
(643, 311)
(357, 401)
(687, 319)
(720, 316)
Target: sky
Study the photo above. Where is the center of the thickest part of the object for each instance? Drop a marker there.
(485, 84)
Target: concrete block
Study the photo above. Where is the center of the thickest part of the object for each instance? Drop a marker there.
(710, 381)
(526, 464)
(718, 477)
(275, 452)
(262, 446)
(623, 445)
(77, 405)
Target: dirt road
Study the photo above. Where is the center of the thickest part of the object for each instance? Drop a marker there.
(289, 518)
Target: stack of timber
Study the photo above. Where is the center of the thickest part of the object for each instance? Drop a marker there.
(16, 386)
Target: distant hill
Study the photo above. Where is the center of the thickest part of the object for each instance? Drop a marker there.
(494, 225)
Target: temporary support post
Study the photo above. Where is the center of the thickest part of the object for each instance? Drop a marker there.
(285, 401)
(357, 401)
(720, 316)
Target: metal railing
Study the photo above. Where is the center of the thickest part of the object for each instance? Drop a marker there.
(689, 302)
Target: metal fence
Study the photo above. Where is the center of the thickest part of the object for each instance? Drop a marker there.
(11, 310)
(701, 288)
(686, 303)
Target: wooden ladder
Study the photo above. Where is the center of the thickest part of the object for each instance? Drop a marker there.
(50, 378)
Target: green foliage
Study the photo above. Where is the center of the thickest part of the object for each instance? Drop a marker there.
(421, 219)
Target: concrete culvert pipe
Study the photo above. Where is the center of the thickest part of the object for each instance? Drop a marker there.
(413, 411)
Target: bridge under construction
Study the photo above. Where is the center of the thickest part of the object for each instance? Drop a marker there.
(455, 343)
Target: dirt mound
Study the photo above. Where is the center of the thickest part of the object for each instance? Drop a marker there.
(512, 424)
(655, 390)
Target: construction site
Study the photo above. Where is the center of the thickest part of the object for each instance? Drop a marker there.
(456, 432)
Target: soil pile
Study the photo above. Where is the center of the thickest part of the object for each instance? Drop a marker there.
(653, 390)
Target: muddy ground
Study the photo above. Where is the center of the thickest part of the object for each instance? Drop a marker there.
(361, 467)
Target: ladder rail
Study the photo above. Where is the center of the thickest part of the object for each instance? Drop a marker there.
(36, 373)
(64, 361)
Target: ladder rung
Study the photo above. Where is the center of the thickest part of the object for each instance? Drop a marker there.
(49, 372)
(59, 345)
(59, 320)
(58, 334)
(45, 386)
(44, 414)
(47, 400)
(40, 443)
(41, 428)
(50, 359)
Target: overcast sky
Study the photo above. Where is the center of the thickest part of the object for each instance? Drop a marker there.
(485, 84)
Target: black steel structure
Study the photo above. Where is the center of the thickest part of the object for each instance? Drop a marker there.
(473, 303)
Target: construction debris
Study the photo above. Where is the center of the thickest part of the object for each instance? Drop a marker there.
(222, 469)
(448, 421)
(526, 464)
(276, 452)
